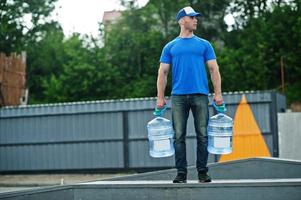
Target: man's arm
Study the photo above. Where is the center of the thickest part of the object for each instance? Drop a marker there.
(161, 83)
(216, 81)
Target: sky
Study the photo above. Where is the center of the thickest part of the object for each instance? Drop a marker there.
(83, 16)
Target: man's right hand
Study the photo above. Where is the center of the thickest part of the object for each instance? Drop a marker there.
(161, 102)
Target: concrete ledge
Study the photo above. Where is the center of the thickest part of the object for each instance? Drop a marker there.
(214, 183)
(45, 193)
(251, 168)
(235, 190)
(157, 190)
(248, 179)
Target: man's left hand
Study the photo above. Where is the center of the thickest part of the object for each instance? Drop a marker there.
(218, 99)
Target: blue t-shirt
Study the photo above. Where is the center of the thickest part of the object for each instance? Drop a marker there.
(188, 57)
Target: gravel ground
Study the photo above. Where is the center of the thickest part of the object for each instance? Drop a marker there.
(10, 183)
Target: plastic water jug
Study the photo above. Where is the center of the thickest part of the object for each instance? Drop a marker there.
(220, 132)
(160, 136)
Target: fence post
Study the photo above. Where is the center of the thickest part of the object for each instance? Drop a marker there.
(125, 124)
(274, 125)
(2, 103)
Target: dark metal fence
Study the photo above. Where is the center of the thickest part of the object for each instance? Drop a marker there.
(106, 135)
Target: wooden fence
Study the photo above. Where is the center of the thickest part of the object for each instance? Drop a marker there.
(12, 79)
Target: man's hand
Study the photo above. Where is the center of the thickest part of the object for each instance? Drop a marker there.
(161, 102)
(218, 99)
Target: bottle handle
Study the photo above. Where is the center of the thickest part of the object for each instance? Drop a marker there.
(220, 108)
(159, 111)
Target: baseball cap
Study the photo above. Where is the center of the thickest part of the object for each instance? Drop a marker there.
(187, 11)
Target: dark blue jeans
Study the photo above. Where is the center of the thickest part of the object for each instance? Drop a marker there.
(181, 105)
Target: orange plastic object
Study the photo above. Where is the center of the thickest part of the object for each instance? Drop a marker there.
(247, 140)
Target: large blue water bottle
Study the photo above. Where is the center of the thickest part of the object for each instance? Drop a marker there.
(220, 132)
(160, 135)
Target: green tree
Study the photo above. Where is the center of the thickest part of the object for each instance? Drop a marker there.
(84, 75)
(251, 58)
(76, 68)
(13, 29)
(45, 58)
(131, 48)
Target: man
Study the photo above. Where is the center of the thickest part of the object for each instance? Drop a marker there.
(188, 55)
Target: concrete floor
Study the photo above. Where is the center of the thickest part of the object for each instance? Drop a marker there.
(12, 189)
(18, 182)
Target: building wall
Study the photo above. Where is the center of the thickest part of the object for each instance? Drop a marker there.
(12, 79)
(290, 135)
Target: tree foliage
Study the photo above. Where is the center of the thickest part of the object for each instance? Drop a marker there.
(253, 51)
(14, 31)
(77, 68)
(45, 58)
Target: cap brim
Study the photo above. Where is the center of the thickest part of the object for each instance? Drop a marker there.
(194, 14)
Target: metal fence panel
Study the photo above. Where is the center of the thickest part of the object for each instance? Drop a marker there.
(46, 129)
(107, 134)
(66, 156)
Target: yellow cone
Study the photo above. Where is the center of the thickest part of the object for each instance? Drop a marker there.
(247, 140)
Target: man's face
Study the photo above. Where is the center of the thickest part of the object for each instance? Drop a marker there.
(190, 23)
